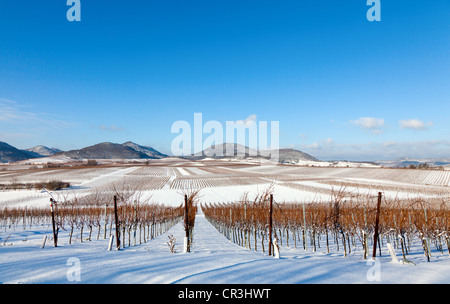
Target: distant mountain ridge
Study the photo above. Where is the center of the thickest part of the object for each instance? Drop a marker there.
(406, 162)
(10, 154)
(108, 150)
(42, 151)
(232, 150)
(152, 153)
(130, 150)
(294, 156)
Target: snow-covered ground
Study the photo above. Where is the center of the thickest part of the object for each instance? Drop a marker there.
(213, 259)
(82, 186)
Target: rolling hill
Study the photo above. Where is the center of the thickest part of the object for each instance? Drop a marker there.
(10, 154)
(230, 150)
(42, 151)
(108, 150)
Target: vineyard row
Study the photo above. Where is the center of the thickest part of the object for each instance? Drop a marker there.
(341, 224)
(136, 223)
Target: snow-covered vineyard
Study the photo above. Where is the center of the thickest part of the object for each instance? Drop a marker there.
(323, 222)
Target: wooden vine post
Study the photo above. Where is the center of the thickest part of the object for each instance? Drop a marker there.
(270, 223)
(245, 228)
(377, 221)
(117, 223)
(55, 237)
(186, 224)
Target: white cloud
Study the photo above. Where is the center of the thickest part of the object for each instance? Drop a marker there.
(389, 144)
(321, 145)
(383, 151)
(13, 113)
(369, 123)
(250, 119)
(10, 111)
(314, 145)
(414, 124)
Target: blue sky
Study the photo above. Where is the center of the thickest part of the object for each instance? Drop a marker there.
(340, 86)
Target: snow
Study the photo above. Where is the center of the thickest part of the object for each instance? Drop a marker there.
(183, 171)
(336, 164)
(37, 198)
(45, 160)
(213, 259)
(172, 197)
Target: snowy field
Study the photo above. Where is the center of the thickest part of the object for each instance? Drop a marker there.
(214, 258)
